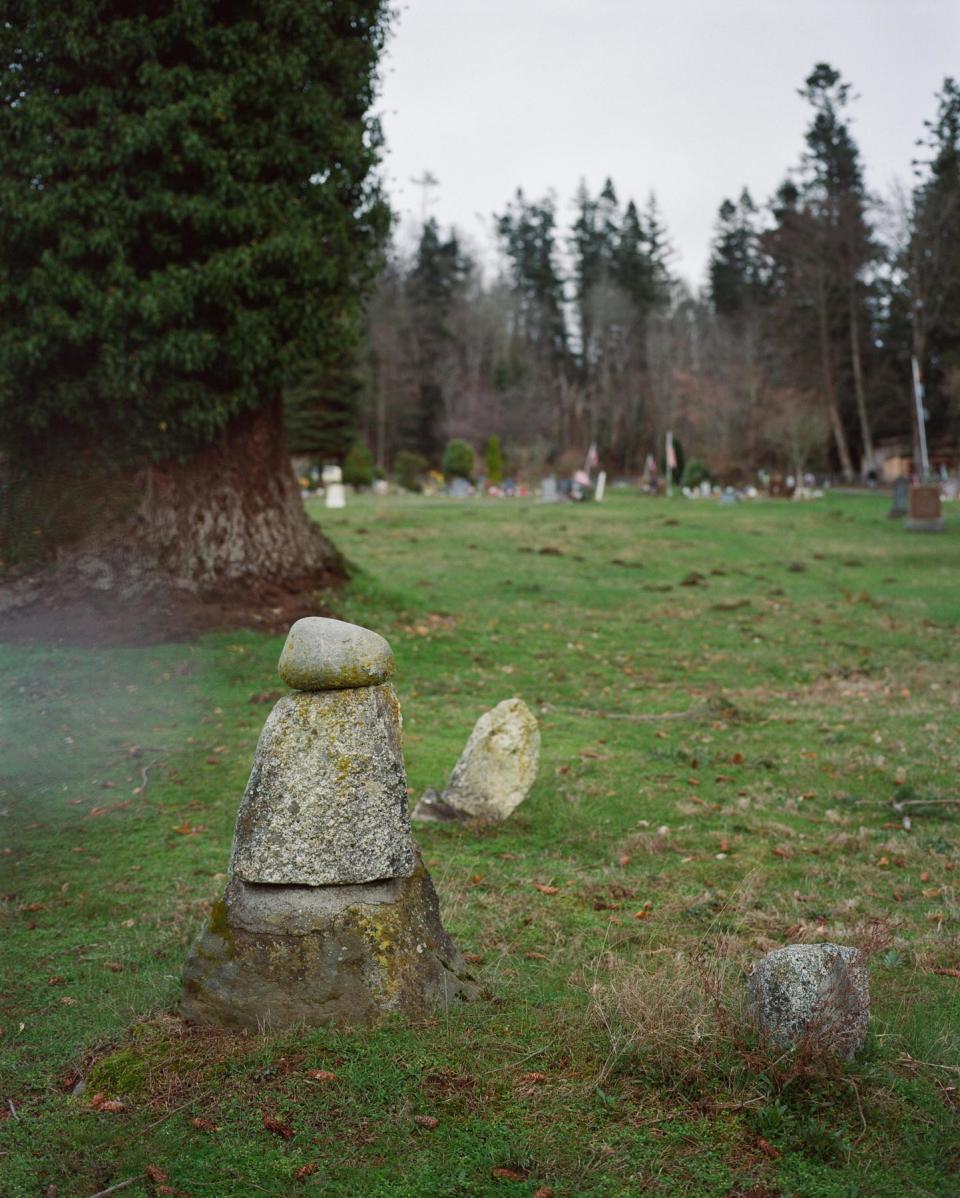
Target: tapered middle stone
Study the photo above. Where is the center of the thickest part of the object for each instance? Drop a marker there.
(326, 803)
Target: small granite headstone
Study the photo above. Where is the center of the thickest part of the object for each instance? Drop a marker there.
(548, 490)
(899, 505)
(495, 771)
(925, 514)
(812, 994)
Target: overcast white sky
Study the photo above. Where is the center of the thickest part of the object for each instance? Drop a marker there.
(690, 98)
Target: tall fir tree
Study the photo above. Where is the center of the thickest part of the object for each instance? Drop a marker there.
(933, 263)
(189, 211)
(836, 196)
(735, 268)
(436, 285)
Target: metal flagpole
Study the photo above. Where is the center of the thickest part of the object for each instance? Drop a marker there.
(921, 419)
(671, 461)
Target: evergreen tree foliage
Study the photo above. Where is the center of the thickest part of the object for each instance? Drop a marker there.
(493, 459)
(634, 268)
(410, 468)
(187, 210)
(933, 262)
(736, 263)
(436, 286)
(320, 405)
(527, 232)
(358, 466)
(458, 459)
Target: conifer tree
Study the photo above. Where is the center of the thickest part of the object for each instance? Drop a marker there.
(933, 263)
(187, 211)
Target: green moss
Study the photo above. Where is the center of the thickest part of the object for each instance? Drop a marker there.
(218, 919)
(124, 1072)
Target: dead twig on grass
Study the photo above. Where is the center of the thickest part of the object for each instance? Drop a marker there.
(121, 1185)
(906, 1059)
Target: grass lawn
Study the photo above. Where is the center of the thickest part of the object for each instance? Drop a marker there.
(730, 699)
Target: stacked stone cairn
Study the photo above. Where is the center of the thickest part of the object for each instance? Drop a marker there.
(329, 915)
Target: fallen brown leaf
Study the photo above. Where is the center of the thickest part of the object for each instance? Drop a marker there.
(767, 1148)
(505, 1174)
(305, 1171)
(948, 973)
(546, 889)
(155, 1173)
(427, 1121)
(278, 1128)
(321, 1075)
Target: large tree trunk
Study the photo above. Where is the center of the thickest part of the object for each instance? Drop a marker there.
(869, 455)
(219, 538)
(826, 365)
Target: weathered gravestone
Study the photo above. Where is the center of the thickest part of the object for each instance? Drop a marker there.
(814, 995)
(548, 490)
(495, 771)
(329, 915)
(925, 514)
(334, 490)
(899, 505)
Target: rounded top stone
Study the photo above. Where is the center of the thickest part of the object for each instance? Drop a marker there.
(329, 655)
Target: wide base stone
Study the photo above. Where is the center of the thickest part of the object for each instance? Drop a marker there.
(915, 524)
(278, 956)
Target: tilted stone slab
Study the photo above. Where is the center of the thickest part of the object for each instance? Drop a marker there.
(495, 771)
(326, 803)
(321, 654)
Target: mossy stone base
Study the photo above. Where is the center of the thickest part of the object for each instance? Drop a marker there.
(277, 956)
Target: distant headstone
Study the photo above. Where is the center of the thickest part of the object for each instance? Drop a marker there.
(899, 503)
(815, 995)
(601, 486)
(495, 771)
(459, 488)
(925, 513)
(331, 474)
(548, 490)
(329, 915)
(336, 495)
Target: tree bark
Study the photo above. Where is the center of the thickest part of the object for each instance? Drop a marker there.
(224, 530)
(836, 423)
(869, 455)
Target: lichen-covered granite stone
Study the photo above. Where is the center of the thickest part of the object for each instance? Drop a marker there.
(322, 655)
(327, 798)
(277, 956)
(496, 769)
(813, 993)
